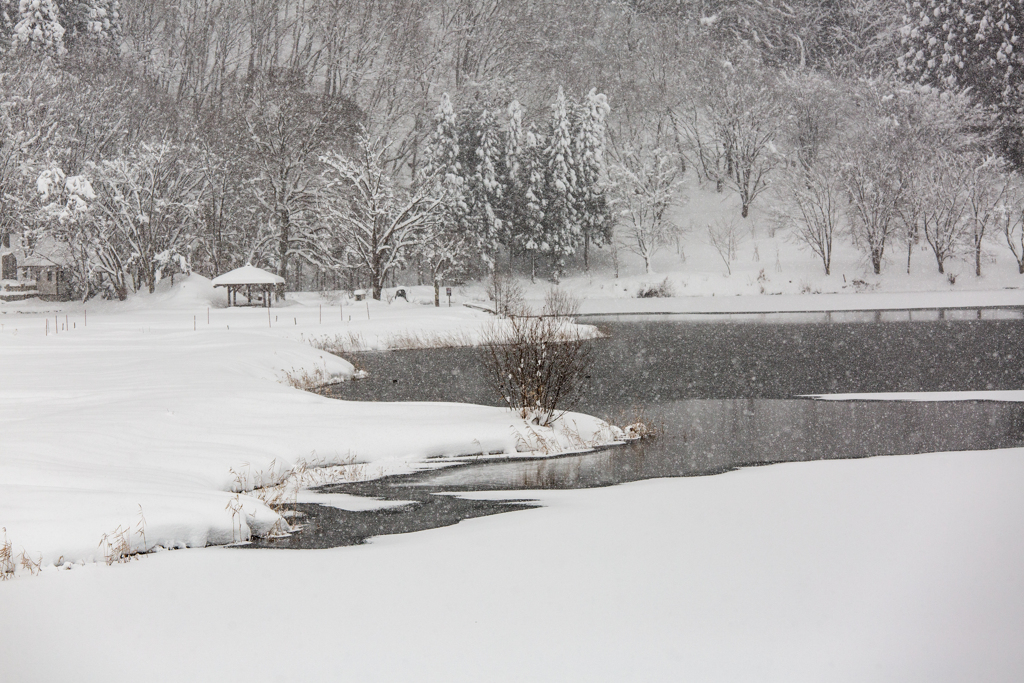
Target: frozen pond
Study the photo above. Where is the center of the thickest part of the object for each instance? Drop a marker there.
(724, 394)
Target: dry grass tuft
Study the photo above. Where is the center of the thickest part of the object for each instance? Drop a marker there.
(117, 545)
(315, 381)
(280, 490)
(6, 559)
(353, 342)
(339, 343)
(429, 340)
(32, 566)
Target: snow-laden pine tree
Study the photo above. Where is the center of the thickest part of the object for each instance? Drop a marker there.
(964, 43)
(445, 245)
(35, 23)
(484, 189)
(532, 232)
(55, 25)
(970, 44)
(591, 201)
(561, 225)
(514, 181)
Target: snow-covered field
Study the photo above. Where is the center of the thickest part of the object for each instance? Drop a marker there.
(133, 420)
(770, 271)
(887, 569)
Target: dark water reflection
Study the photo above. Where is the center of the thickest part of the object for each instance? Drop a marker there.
(711, 436)
(723, 395)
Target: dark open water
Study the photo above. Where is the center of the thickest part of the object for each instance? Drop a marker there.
(725, 394)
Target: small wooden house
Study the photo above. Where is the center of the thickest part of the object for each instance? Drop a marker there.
(29, 272)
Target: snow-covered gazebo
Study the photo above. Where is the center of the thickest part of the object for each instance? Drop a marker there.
(248, 279)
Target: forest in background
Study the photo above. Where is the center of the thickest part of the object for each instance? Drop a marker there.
(342, 143)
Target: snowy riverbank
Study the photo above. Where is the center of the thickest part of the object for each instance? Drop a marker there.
(129, 423)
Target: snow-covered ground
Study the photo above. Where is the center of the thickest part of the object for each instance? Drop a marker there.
(943, 396)
(153, 417)
(145, 417)
(771, 271)
(885, 569)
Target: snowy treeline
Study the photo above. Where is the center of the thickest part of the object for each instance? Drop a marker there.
(349, 143)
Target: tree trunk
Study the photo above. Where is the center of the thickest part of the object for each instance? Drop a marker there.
(282, 244)
(977, 259)
(437, 293)
(746, 209)
(876, 262)
(586, 252)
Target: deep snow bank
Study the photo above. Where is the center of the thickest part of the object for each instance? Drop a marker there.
(887, 569)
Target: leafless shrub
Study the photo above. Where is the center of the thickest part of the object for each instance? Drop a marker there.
(561, 304)
(725, 236)
(507, 295)
(662, 289)
(537, 364)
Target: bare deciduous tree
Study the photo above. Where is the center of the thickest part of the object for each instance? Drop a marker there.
(730, 127)
(647, 185)
(146, 204)
(874, 182)
(1011, 220)
(376, 220)
(287, 130)
(943, 204)
(985, 187)
(815, 193)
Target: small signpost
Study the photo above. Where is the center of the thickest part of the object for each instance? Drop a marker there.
(448, 291)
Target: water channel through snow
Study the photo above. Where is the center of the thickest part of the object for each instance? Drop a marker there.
(723, 393)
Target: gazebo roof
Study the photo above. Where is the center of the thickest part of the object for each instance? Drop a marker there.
(247, 275)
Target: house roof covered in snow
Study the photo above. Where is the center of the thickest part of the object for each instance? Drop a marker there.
(247, 275)
(46, 252)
